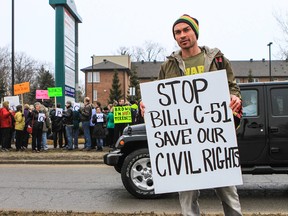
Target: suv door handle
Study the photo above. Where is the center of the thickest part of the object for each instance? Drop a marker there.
(255, 125)
(273, 129)
(274, 150)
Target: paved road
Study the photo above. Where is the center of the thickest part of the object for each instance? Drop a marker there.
(98, 188)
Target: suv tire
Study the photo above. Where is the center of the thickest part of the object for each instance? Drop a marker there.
(136, 174)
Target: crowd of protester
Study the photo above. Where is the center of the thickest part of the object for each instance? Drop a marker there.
(96, 123)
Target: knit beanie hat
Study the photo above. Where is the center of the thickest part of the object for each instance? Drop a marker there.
(192, 22)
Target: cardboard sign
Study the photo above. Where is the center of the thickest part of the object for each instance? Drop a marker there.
(42, 94)
(191, 135)
(13, 101)
(41, 117)
(21, 88)
(122, 114)
(59, 112)
(55, 92)
(100, 117)
(76, 106)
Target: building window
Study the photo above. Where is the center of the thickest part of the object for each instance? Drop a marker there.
(96, 77)
(238, 80)
(95, 97)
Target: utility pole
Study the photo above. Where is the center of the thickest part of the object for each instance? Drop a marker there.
(12, 49)
(92, 99)
(269, 45)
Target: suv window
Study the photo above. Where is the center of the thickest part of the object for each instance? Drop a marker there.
(279, 101)
(250, 102)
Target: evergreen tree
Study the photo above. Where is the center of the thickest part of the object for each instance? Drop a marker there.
(134, 82)
(44, 80)
(115, 91)
(250, 76)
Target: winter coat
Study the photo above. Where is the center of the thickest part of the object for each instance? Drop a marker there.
(99, 130)
(86, 112)
(33, 120)
(6, 118)
(76, 119)
(46, 123)
(110, 120)
(175, 67)
(57, 124)
(19, 121)
(68, 116)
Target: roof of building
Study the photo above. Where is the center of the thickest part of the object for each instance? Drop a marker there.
(147, 69)
(258, 68)
(105, 65)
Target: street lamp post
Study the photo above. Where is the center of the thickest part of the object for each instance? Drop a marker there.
(12, 49)
(269, 45)
(92, 80)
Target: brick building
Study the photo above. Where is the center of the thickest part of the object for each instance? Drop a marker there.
(105, 66)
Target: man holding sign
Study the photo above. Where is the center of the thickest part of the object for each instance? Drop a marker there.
(192, 60)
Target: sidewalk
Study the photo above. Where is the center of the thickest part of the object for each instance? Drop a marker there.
(53, 156)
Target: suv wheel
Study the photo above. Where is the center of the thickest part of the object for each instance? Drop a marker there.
(136, 174)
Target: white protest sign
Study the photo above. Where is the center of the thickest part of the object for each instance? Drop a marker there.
(59, 112)
(13, 101)
(41, 117)
(191, 134)
(76, 106)
(100, 117)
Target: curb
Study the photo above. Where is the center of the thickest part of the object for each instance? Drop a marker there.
(67, 162)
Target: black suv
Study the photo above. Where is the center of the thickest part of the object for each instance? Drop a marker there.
(262, 140)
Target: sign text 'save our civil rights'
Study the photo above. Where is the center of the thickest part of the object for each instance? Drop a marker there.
(191, 135)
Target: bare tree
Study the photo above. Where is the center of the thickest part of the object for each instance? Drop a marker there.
(124, 51)
(5, 66)
(150, 51)
(24, 68)
(282, 21)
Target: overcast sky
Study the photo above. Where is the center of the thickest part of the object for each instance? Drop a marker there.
(241, 29)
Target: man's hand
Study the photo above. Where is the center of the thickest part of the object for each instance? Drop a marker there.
(235, 103)
(142, 108)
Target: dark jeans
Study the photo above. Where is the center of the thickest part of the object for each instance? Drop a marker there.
(58, 137)
(110, 137)
(118, 130)
(36, 138)
(19, 139)
(6, 137)
(25, 138)
(75, 137)
(93, 140)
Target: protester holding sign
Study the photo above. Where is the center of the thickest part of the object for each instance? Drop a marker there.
(6, 116)
(99, 121)
(26, 134)
(191, 60)
(57, 125)
(19, 127)
(68, 121)
(122, 116)
(85, 117)
(36, 119)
